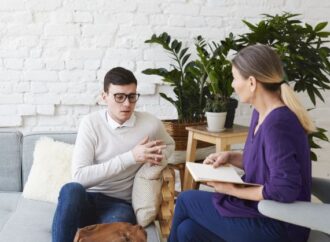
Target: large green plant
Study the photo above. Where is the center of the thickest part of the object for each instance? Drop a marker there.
(303, 52)
(185, 78)
(216, 68)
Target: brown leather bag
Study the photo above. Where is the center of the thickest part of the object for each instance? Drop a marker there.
(114, 232)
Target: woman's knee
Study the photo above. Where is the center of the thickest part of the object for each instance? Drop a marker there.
(191, 231)
(183, 196)
(186, 197)
(185, 231)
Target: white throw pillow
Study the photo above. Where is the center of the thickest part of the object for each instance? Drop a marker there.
(51, 169)
(146, 194)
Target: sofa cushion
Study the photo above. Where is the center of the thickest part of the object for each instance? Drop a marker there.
(51, 169)
(30, 220)
(8, 204)
(146, 193)
(10, 161)
(29, 141)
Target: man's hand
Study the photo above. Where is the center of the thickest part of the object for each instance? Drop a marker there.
(149, 151)
(217, 159)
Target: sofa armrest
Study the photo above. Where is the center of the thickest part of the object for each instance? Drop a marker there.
(167, 205)
(321, 188)
(312, 215)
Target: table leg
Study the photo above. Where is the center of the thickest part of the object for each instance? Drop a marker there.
(221, 145)
(188, 182)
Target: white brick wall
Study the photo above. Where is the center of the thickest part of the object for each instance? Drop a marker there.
(54, 53)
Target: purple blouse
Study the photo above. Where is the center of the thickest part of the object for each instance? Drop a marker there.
(278, 157)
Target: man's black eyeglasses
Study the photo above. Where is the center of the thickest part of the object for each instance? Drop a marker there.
(121, 97)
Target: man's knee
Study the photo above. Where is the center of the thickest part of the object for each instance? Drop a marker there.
(72, 191)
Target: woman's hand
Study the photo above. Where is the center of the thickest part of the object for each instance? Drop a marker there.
(222, 187)
(253, 193)
(217, 159)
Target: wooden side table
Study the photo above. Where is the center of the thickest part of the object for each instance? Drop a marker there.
(222, 140)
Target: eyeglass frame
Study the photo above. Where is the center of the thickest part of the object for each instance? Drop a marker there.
(127, 96)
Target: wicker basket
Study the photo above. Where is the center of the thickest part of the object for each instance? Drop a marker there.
(180, 134)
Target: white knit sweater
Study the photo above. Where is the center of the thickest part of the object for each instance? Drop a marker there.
(102, 159)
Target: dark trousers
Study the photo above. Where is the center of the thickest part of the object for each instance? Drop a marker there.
(196, 219)
(77, 208)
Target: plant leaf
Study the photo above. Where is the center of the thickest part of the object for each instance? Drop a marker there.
(251, 26)
(184, 60)
(320, 26)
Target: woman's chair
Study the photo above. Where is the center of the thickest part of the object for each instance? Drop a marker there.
(315, 216)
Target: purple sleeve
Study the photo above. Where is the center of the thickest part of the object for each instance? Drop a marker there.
(284, 181)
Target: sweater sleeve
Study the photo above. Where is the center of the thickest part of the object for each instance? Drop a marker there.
(284, 181)
(84, 170)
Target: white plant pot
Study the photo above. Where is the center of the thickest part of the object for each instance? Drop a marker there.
(216, 121)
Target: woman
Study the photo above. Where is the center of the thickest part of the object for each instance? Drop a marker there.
(276, 155)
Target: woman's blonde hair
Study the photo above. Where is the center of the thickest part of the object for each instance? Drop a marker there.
(263, 63)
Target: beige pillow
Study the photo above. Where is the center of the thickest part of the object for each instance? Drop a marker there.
(50, 170)
(146, 194)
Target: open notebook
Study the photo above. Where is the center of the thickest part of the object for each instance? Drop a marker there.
(205, 173)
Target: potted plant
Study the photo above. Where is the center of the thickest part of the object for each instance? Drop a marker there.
(217, 70)
(303, 52)
(216, 112)
(188, 87)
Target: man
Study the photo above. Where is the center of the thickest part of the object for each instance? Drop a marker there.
(111, 146)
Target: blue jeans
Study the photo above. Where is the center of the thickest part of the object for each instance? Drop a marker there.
(196, 219)
(77, 208)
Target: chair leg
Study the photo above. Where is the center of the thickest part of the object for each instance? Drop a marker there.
(181, 168)
(166, 212)
(181, 171)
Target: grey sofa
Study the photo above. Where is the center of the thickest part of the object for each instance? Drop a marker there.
(24, 220)
(315, 216)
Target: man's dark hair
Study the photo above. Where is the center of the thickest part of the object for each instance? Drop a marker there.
(118, 76)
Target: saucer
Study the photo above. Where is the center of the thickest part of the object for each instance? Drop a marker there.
(215, 130)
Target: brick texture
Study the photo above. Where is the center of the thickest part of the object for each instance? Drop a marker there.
(54, 53)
